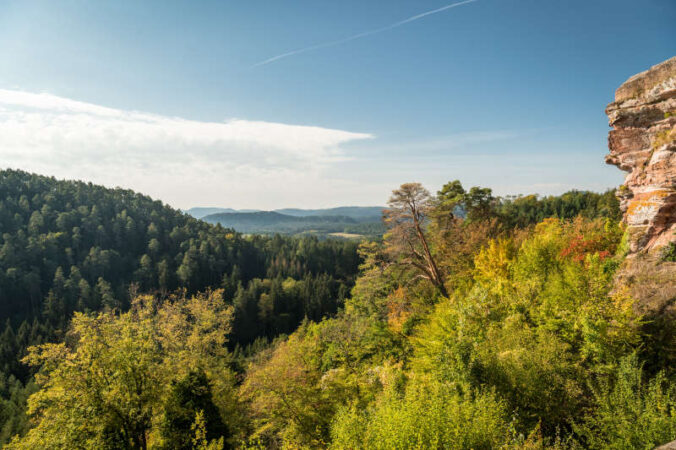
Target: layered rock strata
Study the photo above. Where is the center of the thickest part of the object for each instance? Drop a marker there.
(643, 143)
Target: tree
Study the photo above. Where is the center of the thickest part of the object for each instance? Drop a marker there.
(109, 386)
(104, 295)
(288, 403)
(188, 267)
(479, 203)
(448, 202)
(408, 209)
(189, 397)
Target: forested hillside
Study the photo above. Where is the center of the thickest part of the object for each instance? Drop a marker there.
(269, 221)
(359, 213)
(70, 246)
(292, 223)
(356, 222)
(462, 332)
(476, 322)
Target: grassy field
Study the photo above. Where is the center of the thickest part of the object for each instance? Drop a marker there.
(347, 235)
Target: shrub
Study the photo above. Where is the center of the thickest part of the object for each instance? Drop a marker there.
(430, 415)
(629, 411)
(669, 252)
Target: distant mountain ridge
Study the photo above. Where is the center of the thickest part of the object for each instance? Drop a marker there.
(344, 221)
(359, 213)
(200, 212)
(271, 217)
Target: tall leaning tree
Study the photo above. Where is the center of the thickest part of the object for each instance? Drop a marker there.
(406, 242)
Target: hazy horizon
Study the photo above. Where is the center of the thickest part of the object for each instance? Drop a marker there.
(264, 106)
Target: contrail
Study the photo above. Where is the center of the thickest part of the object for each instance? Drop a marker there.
(361, 35)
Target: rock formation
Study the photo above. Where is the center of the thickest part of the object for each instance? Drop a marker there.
(643, 143)
(669, 446)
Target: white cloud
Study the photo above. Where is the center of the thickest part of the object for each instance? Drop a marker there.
(185, 162)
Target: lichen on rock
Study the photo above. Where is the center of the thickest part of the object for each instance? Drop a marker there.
(643, 143)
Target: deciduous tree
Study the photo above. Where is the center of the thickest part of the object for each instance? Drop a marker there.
(406, 241)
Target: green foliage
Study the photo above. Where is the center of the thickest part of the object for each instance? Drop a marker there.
(536, 323)
(287, 403)
(669, 252)
(200, 440)
(474, 205)
(295, 388)
(531, 209)
(111, 385)
(429, 415)
(479, 204)
(320, 225)
(13, 414)
(630, 412)
(190, 407)
(70, 246)
(477, 322)
(449, 200)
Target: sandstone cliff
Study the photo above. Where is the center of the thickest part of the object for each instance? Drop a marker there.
(643, 143)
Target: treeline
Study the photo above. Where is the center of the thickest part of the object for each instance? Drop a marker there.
(271, 222)
(461, 333)
(70, 246)
(458, 333)
(526, 210)
(476, 322)
(511, 212)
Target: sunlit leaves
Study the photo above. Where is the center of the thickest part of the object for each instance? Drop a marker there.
(107, 386)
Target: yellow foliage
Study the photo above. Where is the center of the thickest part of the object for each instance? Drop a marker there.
(398, 310)
(493, 263)
(106, 387)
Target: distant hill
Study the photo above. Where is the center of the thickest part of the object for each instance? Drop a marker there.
(341, 222)
(272, 222)
(359, 213)
(200, 212)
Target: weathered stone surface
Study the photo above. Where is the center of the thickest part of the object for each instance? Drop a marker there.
(669, 446)
(643, 143)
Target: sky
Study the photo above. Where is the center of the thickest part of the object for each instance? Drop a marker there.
(309, 103)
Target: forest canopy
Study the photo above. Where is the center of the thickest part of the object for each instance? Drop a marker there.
(474, 322)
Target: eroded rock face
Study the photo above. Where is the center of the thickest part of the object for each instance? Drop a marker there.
(643, 143)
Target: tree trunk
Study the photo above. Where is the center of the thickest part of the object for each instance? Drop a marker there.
(437, 279)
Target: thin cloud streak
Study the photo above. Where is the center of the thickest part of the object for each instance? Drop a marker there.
(361, 35)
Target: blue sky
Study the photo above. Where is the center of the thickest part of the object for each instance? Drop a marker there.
(166, 97)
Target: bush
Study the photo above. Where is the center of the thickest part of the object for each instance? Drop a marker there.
(430, 415)
(536, 325)
(669, 252)
(630, 412)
